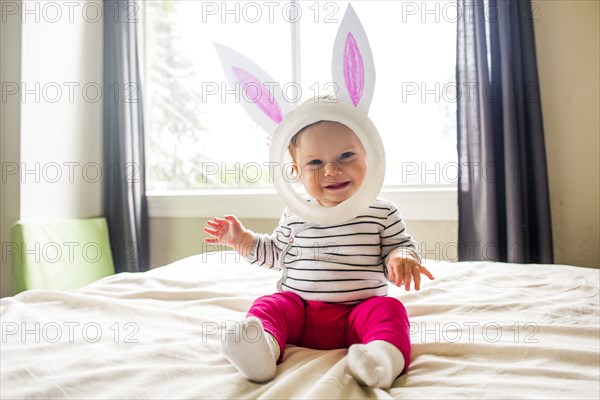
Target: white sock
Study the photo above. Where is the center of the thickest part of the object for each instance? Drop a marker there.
(375, 364)
(253, 351)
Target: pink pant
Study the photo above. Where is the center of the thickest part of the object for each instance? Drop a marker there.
(326, 326)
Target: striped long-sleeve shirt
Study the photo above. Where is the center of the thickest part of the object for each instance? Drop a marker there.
(341, 263)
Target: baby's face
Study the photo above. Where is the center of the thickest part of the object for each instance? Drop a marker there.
(332, 162)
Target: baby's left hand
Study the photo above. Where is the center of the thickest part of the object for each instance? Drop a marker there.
(404, 267)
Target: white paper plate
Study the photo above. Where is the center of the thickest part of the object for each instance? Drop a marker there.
(353, 118)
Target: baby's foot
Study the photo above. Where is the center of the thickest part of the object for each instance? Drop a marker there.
(376, 364)
(250, 351)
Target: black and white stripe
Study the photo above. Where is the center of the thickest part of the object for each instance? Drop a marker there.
(341, 263)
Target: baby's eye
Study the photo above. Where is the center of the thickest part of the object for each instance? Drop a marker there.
(315, 162)
(347, 154)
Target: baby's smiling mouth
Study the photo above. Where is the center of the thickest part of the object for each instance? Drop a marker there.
(338, 186)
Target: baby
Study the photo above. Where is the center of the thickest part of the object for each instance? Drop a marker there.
(332, 293)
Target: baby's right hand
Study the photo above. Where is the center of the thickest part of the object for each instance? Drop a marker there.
(227, 230)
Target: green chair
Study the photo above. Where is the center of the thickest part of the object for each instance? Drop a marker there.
(60, 255)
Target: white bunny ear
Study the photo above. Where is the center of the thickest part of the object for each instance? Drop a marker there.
(260, 94)
(353, 69)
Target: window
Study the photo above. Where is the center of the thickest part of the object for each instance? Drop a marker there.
(413, 105)
(199, 136)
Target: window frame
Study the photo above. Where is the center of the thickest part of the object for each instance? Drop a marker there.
(422, 202)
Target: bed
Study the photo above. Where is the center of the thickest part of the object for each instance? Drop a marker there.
(480, 330)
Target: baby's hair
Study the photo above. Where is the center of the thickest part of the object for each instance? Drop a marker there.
(296, 138)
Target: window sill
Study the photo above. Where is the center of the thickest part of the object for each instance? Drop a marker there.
(415, 203)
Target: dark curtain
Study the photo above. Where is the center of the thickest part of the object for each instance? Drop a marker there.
(125, 204)
(503, 202)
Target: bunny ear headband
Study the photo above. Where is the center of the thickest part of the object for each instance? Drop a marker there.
(353, 73)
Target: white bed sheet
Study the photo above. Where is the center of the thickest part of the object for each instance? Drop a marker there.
(480, 330)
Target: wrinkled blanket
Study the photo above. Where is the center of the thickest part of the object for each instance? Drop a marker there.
(480, 330)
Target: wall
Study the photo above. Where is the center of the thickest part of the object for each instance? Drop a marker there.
(175, 238)
(61, 121)
(60, 132)
(10, 109)
(567, 39)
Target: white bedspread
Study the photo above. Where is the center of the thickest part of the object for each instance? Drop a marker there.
(480, 330)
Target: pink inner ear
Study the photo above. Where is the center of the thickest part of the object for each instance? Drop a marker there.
(354, 72)
(258, 93)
